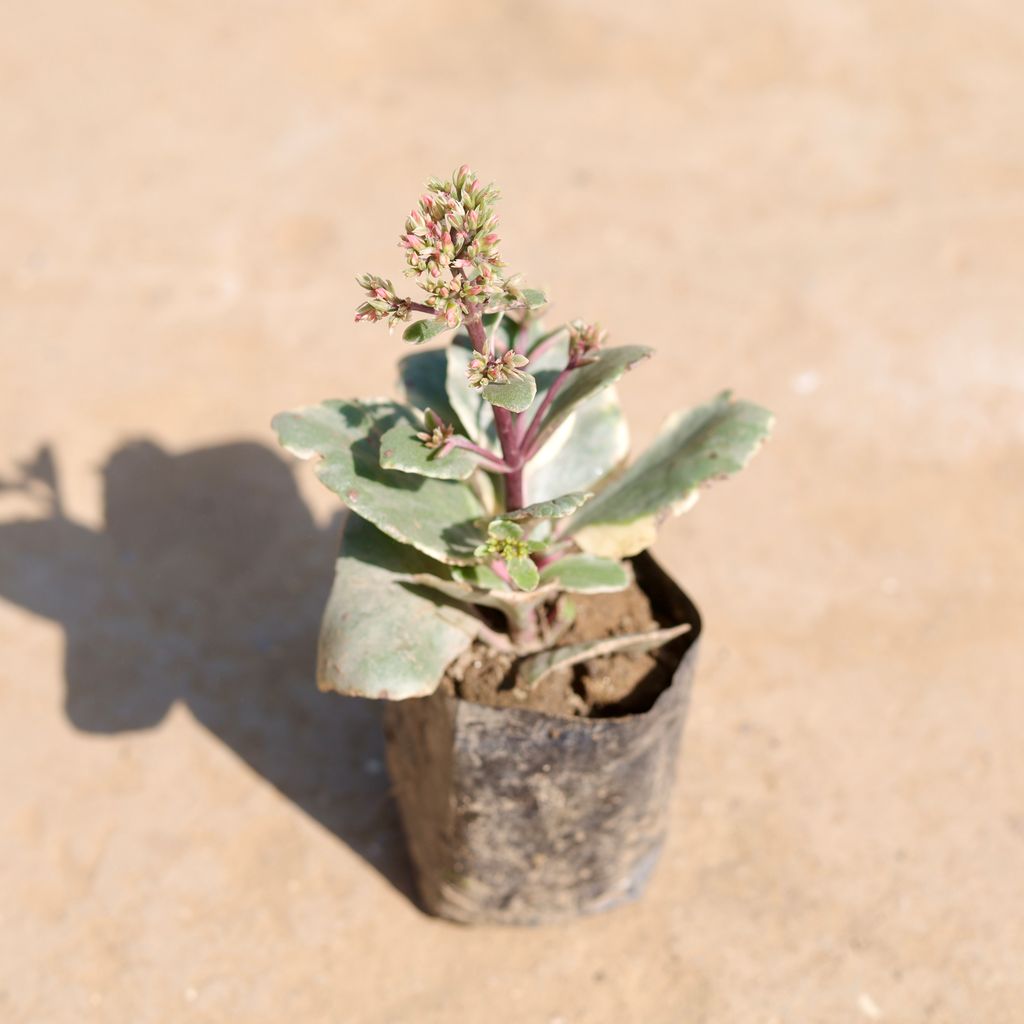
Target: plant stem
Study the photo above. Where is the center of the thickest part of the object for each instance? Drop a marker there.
(530, 437)
(524, 625)
(508, 430)
(515, 495)
(477, 333)
(494, 463)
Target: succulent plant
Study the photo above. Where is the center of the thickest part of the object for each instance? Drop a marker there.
(502, 481)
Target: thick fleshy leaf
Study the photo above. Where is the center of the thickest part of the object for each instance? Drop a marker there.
(420, 331)
(709, 443)
(401, 449)
(591, 443)
(459, 591)
(587, 574)
(422, 375)
(534, 297)
(516, 394)
(608, 366)
(380, 638)
(619, 540)
(553, 508)
(534, 668)
(502, 529)
(481, 576)
(524, 573)
(439, 517)
(504, 598)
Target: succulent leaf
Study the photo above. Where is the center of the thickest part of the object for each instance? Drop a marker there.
(524, 572)
(401, 448)
(422, 376)
(420, 331)
(503, 529)
(587, 574)
(606, 367)
(534, 297)
(503, 597)
(591, 443)
(534, 668)
(480, 576)
(552, 508)
(361, 652)
(711, 442)
(439, 517)
(515, 394)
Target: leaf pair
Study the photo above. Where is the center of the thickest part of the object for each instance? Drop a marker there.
(437, 516)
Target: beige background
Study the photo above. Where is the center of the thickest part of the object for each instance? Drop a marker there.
(818, 203)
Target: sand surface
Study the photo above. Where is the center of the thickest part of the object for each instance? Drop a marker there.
(818, 204)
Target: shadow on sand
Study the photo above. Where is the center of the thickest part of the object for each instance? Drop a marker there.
(206, 586)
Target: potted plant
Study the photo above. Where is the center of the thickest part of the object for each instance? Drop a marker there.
(493, 585)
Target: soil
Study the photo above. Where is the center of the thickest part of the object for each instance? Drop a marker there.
(615, 684)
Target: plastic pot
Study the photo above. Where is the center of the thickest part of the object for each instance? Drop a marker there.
(515, 816)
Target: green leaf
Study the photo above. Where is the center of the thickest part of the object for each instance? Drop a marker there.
(587, 574)
(524, 573)
(534, 668)
(420, 331)
(552, 508)
(379, 638)
(619, 540)
(503, 598)
(534, 297)
(481, 576)
(516, 394)
(456, 590)
(608, 366)
(401, 449)
(422, 376)
(592, 442)
(502, 529)
(439, 517)
(709, 443)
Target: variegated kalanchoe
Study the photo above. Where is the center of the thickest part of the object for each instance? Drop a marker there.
(502, 481)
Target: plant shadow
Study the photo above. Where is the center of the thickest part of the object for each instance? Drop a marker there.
(206, 586)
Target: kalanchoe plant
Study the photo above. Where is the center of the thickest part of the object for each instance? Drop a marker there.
(500, 483)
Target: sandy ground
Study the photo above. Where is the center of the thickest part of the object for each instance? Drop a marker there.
(819, 204)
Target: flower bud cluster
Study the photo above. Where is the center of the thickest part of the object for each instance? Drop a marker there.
(437, 432)
(490, 369)
(505, 548)
(507, 541)
(584, 341)
(451, 246)
(381, 301)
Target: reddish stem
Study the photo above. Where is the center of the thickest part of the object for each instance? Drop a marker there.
(508, 430)
(494, 463)
(533, 430)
